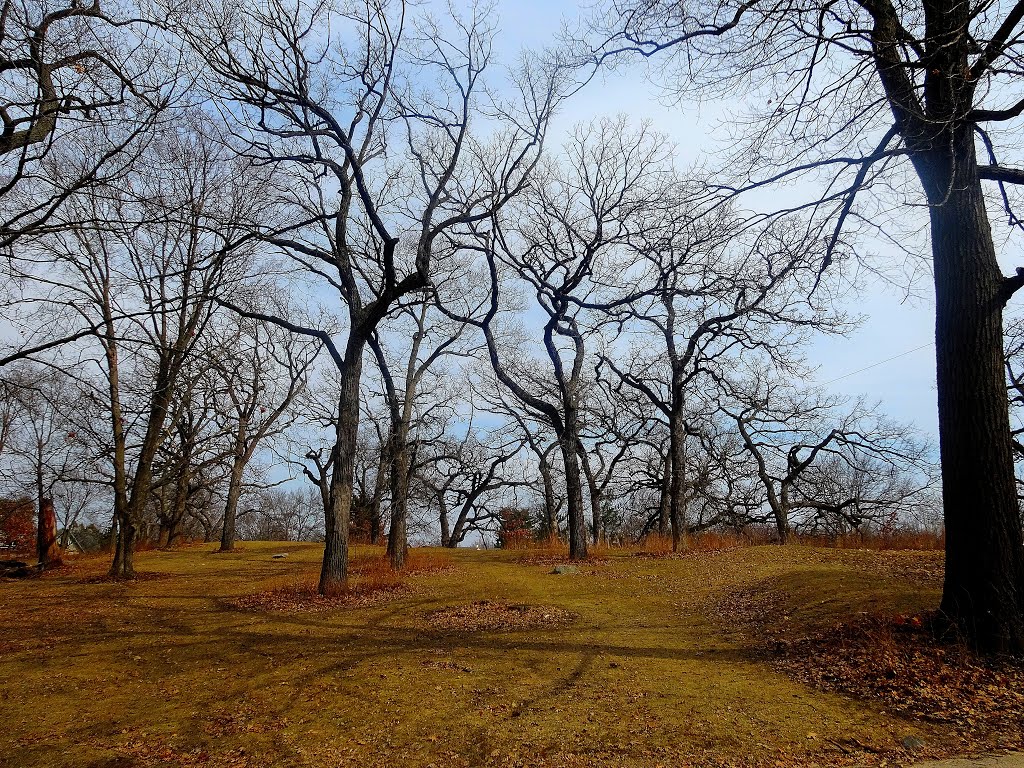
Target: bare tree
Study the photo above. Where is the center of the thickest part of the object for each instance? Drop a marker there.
(434, 337)
(714, 286)
(136, 268)
(860, 94)
(560, 240)
(825, 463)
(80, 86)
(262, 369)
(190, 451)
(352, 100)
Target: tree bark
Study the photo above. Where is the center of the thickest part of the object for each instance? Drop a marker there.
(597, 521)
(446, 536)
(46, 535)
(677, 486)
(383, 471)
(227, 537)
(123, 566)
(567, 442)
(398, 544)
(983, 594)
(334, 570)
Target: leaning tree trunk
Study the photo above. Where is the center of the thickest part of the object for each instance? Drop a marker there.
(123, 566)
(334, 570)
(983, 594)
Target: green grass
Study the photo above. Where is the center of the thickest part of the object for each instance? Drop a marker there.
(166, 671)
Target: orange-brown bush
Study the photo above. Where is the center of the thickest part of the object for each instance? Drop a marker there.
(18, 525)
(894, 538)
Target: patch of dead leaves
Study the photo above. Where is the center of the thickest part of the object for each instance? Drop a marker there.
(900, 663)
(488, 615)
(301, 600)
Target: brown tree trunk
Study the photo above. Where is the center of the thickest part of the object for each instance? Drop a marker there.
(227, 536)
(383, 471)
(123, 566)
(398, 540)
(446, 536)
(677, 494)
(983, 594)
(46, 535)
(398, 544)
(334, 570)
(180, 503)
(781, 525)
(597, 521)
(567, 441)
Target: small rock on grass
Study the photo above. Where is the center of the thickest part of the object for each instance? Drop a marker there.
(565, 570)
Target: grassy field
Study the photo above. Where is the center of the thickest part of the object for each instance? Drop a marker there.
(630, 661)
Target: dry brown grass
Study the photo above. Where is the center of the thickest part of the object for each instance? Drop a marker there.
(171, 671)
(896, 539)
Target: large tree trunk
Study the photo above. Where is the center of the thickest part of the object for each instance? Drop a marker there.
(983, 593)
(398, 543)
(227, 536)
(446, 536)
(677, 487)
(46, 535)
(334, 571)
(118, 544)
(123, 566)
(180, 503)
(781, 524)
(779, 505)
(567, 441)
(383, 475)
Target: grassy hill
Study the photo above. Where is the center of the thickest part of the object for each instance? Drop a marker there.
(487, 658)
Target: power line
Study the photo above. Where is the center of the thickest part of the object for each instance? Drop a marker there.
(875, 365)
